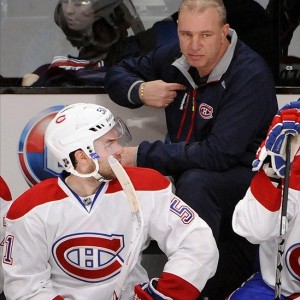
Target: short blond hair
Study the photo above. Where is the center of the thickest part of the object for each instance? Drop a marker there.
(202, 5)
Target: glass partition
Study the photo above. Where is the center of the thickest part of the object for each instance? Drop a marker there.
(72, 43)
(36, 34)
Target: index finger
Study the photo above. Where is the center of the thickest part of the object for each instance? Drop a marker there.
(176, 86)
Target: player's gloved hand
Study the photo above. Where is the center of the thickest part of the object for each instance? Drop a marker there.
(261, 156)
(293, 104)
(286, 122)
(148, 291)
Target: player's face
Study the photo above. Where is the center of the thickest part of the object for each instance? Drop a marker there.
(202, 38)
(79, 14)
(105, 146)
(108, 145)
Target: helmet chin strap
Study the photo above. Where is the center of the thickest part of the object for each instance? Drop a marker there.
(94, 174)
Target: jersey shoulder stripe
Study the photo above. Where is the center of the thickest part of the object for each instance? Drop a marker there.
(43, 192)
(4, 190)
(295, 174)
(143, 179)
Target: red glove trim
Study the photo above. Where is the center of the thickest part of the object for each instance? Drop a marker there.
(176, 287)
(265, 192)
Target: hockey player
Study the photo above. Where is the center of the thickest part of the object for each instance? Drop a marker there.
(5, 202)
(257, 216)
(69, 237)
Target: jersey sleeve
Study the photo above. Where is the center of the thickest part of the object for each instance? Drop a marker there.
(188, 243)
(24, 267)
(5, 193)
(257, 216)
(4, 206)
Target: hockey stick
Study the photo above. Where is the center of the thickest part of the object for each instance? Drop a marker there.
(283, 219)
(137, 224)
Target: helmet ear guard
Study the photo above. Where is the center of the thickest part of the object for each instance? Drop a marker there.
(76, 127)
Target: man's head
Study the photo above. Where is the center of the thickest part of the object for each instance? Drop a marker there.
(79, 15)
(93, 26)
(202, 31)
(89, 129)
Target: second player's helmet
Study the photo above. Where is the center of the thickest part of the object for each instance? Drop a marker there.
(110, 21)
(77, 126)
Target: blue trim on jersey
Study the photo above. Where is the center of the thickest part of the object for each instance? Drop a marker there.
(63, 177)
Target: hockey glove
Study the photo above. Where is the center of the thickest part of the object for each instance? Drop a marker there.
(293, 104)
(261, 156)
(262, 152)
(286, 123)
(148, 291)
(273, 148)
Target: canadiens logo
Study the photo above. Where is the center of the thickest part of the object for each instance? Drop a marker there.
(292, 260)
(89, 257)
(206, 111)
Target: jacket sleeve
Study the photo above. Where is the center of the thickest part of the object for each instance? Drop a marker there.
(241, 117)
(123, 79)
(243, 110)
(188, 243)
(239, 124)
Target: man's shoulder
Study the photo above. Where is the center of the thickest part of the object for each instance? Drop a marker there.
(246, 56)
(42, 193)
(247, 65)
(169, 50)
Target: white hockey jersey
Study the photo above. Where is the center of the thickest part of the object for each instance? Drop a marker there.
(257, 218)
(5, 202)
(59, 248)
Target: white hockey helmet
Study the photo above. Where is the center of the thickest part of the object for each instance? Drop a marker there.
(77, 126)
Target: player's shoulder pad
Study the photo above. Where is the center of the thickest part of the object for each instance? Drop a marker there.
(143, 179)
(43, 192)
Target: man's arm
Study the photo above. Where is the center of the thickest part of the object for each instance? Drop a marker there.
(124, 81)
(240, 123)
